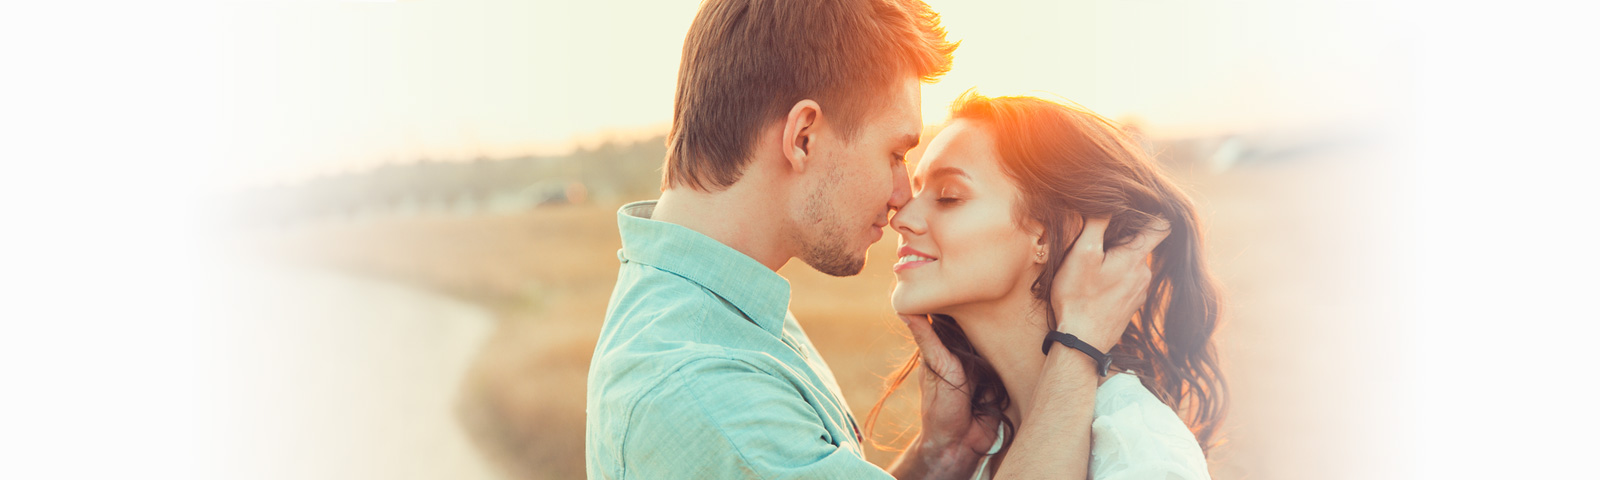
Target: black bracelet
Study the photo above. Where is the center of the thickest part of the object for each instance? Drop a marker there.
(1101, 360)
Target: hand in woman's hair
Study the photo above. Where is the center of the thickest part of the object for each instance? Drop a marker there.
(1097, 292)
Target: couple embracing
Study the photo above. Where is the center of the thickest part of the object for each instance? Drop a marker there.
(1051, 276)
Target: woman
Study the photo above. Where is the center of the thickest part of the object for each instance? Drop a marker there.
(979, 259)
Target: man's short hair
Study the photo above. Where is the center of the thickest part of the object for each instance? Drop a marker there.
(747, 62)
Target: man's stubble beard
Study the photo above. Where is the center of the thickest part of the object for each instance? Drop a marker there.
(828, 247)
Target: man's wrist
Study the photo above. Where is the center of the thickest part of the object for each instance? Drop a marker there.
(1072, 361)
(944, 459)
(1069, 341)
(1065, 372)
(1079, 325)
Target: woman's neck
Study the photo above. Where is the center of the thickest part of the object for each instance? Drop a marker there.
(1008, 333)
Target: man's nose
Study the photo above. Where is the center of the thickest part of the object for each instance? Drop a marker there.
(902, 188)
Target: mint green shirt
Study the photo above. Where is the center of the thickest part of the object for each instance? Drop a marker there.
(702, 372)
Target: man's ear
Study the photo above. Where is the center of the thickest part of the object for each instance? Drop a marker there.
(799, 129)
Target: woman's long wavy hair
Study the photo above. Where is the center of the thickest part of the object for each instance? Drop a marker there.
(1071, 164)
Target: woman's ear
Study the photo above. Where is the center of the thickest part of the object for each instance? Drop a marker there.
(799, 128)
(1041, 243)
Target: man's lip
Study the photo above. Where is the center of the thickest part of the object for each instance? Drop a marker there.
(907, 250)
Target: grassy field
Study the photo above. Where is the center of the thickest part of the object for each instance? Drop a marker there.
(1304, 247)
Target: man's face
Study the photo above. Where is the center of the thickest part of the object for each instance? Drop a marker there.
(858, 183)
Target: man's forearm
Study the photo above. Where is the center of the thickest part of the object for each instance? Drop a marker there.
(920, 461)
(1054, 441)
(908, 466)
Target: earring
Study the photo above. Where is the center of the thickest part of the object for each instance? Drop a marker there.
(1040, 254)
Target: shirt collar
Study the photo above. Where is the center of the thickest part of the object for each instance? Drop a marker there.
(757, 291)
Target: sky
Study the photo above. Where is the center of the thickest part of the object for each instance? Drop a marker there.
(325, 87)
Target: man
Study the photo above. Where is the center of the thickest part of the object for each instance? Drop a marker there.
(790, 127)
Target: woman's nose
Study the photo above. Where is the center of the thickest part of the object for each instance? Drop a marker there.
(908, 219)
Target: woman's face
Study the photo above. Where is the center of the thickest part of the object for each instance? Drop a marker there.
(960, 246)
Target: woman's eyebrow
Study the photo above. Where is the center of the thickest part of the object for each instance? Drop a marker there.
(942, 172)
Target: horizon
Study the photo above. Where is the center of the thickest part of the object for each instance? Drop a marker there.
(323, 88)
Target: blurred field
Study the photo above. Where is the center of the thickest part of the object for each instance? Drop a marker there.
(1304, 246)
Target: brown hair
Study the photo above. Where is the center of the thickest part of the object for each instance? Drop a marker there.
(747, 62)
(1071, 164)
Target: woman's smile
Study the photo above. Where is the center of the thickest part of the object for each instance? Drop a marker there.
(911, 258)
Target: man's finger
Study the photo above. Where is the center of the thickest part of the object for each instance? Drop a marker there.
(1141, 245)
(933, 350)
(1091, 242)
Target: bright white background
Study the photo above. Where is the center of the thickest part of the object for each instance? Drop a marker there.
(124, 121)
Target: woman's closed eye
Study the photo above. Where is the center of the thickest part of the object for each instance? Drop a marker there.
(948, 197)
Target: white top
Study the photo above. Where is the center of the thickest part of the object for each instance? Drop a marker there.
(1135, 436)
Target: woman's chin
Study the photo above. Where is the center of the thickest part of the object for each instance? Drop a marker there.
(897, 300)
(907, 303)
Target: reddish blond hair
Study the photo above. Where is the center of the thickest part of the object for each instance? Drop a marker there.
(747, 62)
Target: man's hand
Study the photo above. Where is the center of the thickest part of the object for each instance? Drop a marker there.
(952, 438)
(1096, 292)
(1094, 296)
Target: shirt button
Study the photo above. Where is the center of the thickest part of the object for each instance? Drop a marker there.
(621, 257)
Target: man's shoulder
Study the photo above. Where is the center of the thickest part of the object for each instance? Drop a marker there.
(647, 291)
(671, 390)
(658, 328)
(693, 374)
(662, 355)
(653, 308)
(695, 395)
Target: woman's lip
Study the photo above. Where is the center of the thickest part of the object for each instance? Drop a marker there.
(902, 266)
(907, 250)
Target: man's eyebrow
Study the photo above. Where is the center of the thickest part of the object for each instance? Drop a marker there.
(942, 172)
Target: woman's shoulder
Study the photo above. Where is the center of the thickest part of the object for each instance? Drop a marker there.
(1123, 390)
(1137, 436)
